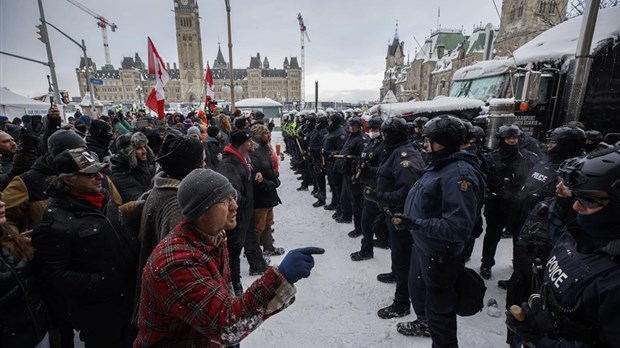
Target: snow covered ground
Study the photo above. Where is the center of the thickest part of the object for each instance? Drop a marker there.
(337, 305)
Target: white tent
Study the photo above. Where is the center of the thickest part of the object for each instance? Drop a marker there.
(14, 105)
(269, 107)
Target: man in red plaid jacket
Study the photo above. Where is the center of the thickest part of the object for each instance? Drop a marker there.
(187, 298)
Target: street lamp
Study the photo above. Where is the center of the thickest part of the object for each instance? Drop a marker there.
(230, 58)
(139, 90)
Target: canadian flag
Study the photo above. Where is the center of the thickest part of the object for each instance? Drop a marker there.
(155, 100)
(210, 92)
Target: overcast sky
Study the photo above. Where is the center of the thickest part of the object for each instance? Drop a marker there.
(346, 55)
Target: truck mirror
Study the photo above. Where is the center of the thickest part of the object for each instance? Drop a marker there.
(531, 87)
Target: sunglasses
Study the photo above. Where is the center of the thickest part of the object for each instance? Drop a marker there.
(589, 201)
(90, 175)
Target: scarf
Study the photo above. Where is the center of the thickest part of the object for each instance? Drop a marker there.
(96, 200)
(233, 151)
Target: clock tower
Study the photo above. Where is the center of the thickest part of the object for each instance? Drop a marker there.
(189, 49)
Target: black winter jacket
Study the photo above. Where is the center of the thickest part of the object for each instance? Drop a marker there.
(401, 168)
(131, 182)
(23, 317)
(265, 193)
(243, 181)
(85, 260)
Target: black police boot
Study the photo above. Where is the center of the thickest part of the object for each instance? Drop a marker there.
(320, 202)
(502, 284)
(386, 278)
(336, 214)
(394, 311)
(354, 234)
(314, 191)
(414, 328)
(361, 256)
(330, 207)
(302, 188)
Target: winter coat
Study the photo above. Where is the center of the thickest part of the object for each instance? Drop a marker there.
(241, 176)
(333, 142)
(131, 179)
(187, 298)
(98, 147)
(26, 196)
(23, 316)
(85, 260)
(161, 213)
(265, 193)
(371, 157)
(445, 203)
(400, 169)
(213, 152)
(353, 146)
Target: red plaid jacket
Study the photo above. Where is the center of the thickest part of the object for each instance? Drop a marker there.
(187, 298)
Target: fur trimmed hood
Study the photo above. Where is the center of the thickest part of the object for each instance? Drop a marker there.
(126, 143)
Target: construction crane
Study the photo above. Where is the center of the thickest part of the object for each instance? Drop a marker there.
(304, 35)
(101, 23)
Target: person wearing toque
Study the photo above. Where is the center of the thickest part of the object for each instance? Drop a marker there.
(85, 259)
(187, 298)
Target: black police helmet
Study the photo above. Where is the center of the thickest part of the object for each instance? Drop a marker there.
(446, 130)
(598, 171)
(394, 131)
(420, 121)
(311, 117)
(336, 118)
(479, 132)
(374, 122)
(508, 130)
(355, 121)
(594, 136)
(321, 118)
(570, 142)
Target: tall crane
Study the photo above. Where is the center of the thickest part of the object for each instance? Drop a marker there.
(101, 23)
(304, 35)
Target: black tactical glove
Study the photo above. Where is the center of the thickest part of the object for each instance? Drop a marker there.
(537, 321)
(371, 194)
(401, 222)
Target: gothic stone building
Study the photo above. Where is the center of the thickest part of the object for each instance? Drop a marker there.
(447, 50)
(131, 83)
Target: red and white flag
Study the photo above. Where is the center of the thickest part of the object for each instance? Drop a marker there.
(155, 100)
(209, 91)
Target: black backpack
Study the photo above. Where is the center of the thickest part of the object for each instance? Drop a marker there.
(470, 289)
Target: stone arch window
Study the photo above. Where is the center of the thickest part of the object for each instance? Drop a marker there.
(512, 13)
(542, 7)
(520, 11)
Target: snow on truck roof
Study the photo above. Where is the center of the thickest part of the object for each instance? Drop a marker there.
(561, 40)
(439, 104)
(555, 43)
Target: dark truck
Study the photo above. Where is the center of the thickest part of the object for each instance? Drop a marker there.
(534, 83)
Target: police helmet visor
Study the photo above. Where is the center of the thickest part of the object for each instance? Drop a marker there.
(589, 201)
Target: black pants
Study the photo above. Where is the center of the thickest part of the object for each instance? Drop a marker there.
(400, 246)
(499, 214)
(369, 212)
(439, 276)
(319, 175)
(236, 240)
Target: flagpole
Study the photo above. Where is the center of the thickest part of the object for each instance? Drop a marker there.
(230, 60)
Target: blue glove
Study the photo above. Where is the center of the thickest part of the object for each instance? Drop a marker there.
(298, 263)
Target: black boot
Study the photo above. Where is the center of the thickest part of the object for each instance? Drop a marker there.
(354, 234)
(302, 188)
(344, 220)
(336, 214)
(380, 244)
(330, 207)
(361, 256)
(386, 278)
(319, 203)
(414, 328)
(394, 310)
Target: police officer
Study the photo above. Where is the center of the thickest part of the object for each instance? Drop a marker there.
(370, 160)
(401, 167)
(593, 139)
(336, 136)
(509, 166)
(418, 125)
(315, 145)
(308, 131)
(351, 195)
(441, 208)
(578, 303)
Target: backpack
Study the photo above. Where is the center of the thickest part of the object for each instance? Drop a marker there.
(470, 290)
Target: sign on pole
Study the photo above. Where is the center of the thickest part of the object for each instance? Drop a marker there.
(95, 81)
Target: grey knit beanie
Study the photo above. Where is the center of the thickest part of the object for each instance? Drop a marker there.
(62, 140)
(201, 189)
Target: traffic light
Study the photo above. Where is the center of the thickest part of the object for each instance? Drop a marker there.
(42, 33)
